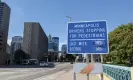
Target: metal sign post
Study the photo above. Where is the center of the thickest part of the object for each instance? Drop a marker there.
(92, 60)
(101, 62)
(87, 63)
(87, 76)
(74, 76)
(101, 58)
(102, 76)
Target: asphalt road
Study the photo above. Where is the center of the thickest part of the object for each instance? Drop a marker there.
(33, 73)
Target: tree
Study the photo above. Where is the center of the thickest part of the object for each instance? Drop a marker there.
(121, 44)
(40, 57)
(70, 57)
(27, 56)
(19, 56)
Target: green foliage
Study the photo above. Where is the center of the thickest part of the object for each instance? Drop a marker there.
(120, 44)
(20, 55)
(70, 57)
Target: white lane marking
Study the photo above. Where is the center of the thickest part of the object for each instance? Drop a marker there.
(5, 73)
(51, 77)
(22, 70)
(22, 75)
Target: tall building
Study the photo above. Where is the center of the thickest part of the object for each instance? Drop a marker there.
(49, 38)
(35, 41)
(8, 49)
(64, 48)
(51, 46)
(4, 26)
(16, 43)
(56, 41)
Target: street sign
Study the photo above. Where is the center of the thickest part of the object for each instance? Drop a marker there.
(91, 68)
(87, 37)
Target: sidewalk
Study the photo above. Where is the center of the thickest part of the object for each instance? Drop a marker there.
(69, 76)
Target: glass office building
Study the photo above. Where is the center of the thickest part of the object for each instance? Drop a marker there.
(56, 43)
(64, 48)
(51, 46)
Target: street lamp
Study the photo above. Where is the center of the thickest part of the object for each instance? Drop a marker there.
(70, 18)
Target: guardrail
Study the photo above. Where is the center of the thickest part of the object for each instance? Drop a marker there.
(118, 72)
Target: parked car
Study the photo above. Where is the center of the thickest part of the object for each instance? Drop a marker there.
(33, 61)
(43, 64)
(25, 62)
(30, 62)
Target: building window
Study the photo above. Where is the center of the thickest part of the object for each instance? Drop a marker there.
(1, 9)
(28, 45)
(2, 4)
(29, 50)
(1, 14)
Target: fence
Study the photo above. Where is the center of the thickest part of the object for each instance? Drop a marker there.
(118, 72)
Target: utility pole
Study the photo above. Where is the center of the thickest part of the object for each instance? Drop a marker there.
(74, 74)
(70, 19)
